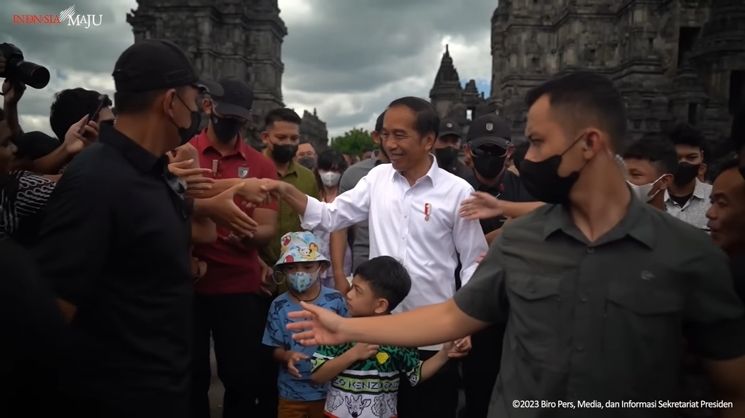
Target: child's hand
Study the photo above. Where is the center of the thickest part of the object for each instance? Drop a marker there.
(457, 348)
(363, 351)
(293, 357)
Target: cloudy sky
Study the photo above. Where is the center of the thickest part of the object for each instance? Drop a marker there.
(347, 59)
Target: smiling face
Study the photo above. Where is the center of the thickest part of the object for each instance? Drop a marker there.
(405, 147)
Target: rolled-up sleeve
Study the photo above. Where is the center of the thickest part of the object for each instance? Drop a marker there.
(346, 210)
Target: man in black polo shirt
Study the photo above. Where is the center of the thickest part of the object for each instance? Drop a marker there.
(115, 246)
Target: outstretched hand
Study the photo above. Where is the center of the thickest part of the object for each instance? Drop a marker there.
(480, 206)
(225, 212)
(316, 326)
(196, 178)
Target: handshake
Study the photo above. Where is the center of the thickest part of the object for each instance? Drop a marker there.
(225, 201)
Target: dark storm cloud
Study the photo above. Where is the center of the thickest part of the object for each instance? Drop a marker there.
(348, 59)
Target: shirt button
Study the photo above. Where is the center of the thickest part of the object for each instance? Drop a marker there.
(590, 250)
(583, 299)
(580, 348)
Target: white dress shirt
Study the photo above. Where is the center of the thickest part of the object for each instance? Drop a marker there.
(694, 210)
(418, 225)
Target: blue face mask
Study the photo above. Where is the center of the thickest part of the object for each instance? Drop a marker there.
(301, 281)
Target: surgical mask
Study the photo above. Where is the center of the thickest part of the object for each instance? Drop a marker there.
(542, 179)
(186, 134)
(225, 128)
(642, 191)
(329, 178)
(685, 173)
(283, 153)
(446, 157)
(300, 281)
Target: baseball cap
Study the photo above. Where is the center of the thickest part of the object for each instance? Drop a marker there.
(489, 129)
(235, 100)
(155, 64)
(450, 127)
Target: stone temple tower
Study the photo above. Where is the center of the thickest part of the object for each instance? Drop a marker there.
(673, 60)
(235, 38)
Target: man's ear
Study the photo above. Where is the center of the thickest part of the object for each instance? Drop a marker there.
(167, 102)
(265, 137)
(665, 181)
(381, 306)
(467, 155)
(429, 141)
(702, 170)
(375, 137)
(207, 105)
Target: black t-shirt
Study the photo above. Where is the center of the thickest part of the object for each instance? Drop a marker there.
(115, 243)
(681, 200)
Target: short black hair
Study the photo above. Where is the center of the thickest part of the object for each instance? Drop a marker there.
(427, 120)
(685, 134)
(331, 160)
(135, 102)
(379, 122)
(583, 97)
(658, 151)
(281, 114)
(70, 106)
(388, 279)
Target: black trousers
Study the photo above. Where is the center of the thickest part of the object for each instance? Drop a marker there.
(480, 369)
(236, 323)
(436, 397)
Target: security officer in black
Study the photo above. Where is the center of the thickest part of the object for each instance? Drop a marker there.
(448, 146)
(115, 246)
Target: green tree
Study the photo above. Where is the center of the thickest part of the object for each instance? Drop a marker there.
(354, 142)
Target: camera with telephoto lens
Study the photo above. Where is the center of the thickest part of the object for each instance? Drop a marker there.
(26, 72)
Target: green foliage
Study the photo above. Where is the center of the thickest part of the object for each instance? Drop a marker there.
(354, 142)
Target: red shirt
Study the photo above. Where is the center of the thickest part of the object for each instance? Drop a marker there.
(231, 268)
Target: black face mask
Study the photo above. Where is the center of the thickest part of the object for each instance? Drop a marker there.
(446, 157)
(283, 153)
(307, 162)
(542, 180)
(685, 173)
(186, 134)
(225, 129)
(488, 166)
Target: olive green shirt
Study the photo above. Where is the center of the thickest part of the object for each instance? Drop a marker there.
(603, 320)
(289, 220)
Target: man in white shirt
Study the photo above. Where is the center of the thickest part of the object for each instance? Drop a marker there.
(412, 207)
(687, 198)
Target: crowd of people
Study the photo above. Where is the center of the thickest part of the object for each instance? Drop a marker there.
(445, 275)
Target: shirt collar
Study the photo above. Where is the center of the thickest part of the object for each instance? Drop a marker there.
(637, 224)
(699, 192)
(139, 157)
(204, 144)
(433, 174)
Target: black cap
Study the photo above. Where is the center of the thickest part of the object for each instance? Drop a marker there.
(155, 64)
(489, 129)
(236, 99)
(34, 145)
(450, 127)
